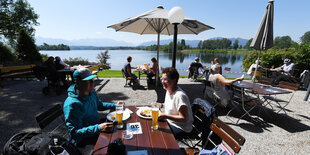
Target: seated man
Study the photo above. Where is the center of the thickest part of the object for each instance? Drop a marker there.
(80, 109)
(177, 106)
(252, 67)
(193, 68)
(127, 70)
(283, 72)
(153, 70)
(219, 84)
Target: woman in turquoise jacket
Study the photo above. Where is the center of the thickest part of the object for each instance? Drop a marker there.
(81, 109)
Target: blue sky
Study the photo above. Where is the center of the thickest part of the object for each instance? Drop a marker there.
(82, 19)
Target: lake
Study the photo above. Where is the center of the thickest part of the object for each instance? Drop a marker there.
(139, 57)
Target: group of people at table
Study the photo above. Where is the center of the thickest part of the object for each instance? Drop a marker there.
(82, 104)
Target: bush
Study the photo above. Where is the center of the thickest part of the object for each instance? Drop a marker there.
(299, 55)
(78, 61)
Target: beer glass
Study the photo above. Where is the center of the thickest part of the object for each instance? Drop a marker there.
(119, 116)
(155, 112)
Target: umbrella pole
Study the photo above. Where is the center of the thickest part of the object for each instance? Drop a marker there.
(157, 70)
(253, 78)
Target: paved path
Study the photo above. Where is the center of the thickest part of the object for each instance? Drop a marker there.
(276, 133)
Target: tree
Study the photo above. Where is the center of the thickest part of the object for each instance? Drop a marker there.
(6, 55)
(26, 50)
(283, 42)
(103, 57)
(248, 43)
(200, 44)
(305, 38)
(15, 15)
(235, 46)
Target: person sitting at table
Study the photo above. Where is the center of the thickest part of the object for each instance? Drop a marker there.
(193, 68)
(50, 67)
(81, 109)
(217, 62)
(127, 70)
(177, 106)
(253, 66)
(153, 70)
(219, 83)
(283, 72)
(60, 64)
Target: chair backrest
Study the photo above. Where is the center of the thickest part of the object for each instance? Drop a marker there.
(94, 67)
(123, 73)
(227, 134)
(45, 118)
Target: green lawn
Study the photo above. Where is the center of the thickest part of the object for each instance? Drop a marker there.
(118, 74)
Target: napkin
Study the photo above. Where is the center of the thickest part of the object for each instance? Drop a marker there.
(135, 127)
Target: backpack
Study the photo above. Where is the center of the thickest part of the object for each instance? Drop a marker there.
(30, 143)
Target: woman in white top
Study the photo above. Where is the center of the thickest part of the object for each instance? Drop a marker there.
(218, 81)
(177, 106)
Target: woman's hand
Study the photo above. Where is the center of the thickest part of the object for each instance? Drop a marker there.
(161, 116)
(106, 127)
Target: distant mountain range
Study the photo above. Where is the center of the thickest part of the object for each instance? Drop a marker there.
(83, 42)
(113, 43)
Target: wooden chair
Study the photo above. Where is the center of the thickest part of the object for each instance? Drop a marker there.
(126, 78)
(227, 134)
(231, 137)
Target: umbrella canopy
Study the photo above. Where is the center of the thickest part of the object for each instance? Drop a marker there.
(263, 39)
(156, 22)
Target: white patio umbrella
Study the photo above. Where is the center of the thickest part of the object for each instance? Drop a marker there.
(156, 22)
(263, 39)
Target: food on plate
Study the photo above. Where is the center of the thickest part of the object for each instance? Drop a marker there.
(113, 117)
(146, 113)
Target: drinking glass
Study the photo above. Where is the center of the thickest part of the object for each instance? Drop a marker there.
(119, 115)
(155, 112)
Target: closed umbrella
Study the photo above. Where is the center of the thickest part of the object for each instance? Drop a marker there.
(263, 39)
(156, 22)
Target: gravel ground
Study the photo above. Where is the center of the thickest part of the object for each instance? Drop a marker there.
(268, 133)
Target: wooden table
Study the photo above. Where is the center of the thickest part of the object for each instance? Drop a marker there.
(261, 89)
(159, 141)
(258, 89)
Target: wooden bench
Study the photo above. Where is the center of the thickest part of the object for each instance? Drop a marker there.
(46, 118)
(94, 69)
(14, 71)
(289, 85)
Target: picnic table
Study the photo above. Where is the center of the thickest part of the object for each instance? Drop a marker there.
(159, 141)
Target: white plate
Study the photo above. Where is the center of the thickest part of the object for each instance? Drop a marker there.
(126, 115)
(139, 111)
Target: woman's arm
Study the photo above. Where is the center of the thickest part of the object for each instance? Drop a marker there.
(182, 115)
(221, 79)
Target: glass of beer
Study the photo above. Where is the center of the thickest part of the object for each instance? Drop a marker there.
(155, 112)
(119, 116)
